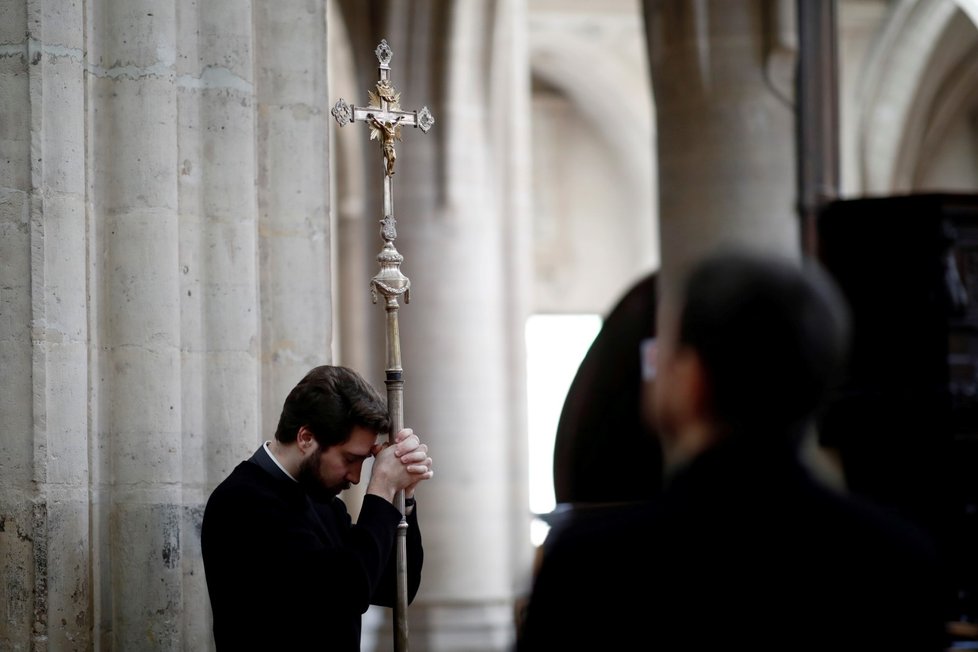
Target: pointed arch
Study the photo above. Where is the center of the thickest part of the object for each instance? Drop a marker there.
(921, 46)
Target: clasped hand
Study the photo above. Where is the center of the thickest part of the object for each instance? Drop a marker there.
(401, 464)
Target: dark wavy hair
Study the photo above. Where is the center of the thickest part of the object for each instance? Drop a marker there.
(330, 401)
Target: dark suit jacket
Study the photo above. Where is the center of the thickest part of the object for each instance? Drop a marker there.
(285, 572)
(743, 551)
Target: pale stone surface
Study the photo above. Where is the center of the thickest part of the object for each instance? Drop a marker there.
(64, 437)
(19, 588)
(725, 139)
(858, 22)
(513, 121)
(68, 586)
(218, 252)
(594, 189)
(146, 577)
(895, 70)
(50, 360)
(16, 397)
(135, 200)
(954, 166)
(293, 198)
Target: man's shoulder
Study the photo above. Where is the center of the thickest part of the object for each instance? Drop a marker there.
(247, 494)
(245, 474)
(246, 481)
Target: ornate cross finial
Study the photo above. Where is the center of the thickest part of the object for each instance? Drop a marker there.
(384, 53)
(384, 116)
(383, 112)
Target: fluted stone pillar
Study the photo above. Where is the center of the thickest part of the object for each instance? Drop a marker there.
(293, 196)
(510, 108)
(137, 495)
(359, 325)
(218, 270)
(165, 280)
(44, 369)
(725, 131)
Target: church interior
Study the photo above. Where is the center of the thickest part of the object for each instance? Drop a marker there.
(187, 229)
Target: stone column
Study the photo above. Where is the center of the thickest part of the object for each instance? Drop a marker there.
(138, 453)
(293, 196)
(511, 110)
(44, 519)
(727, 171)
(218, 270)
(359, 325)
(137, 295)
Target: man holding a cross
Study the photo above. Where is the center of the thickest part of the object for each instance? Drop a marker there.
(286, 566)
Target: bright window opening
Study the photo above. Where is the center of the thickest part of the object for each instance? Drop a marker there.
(555, 347)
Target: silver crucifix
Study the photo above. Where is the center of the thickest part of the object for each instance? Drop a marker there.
(385, 117)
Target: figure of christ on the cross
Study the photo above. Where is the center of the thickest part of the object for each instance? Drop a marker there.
(389, 132)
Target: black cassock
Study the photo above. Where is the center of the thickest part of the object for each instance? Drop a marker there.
(287, 572)
(744, 550)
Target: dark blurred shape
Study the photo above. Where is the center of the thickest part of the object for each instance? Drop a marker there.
(905, 420)
(743, 548)
(605, 451)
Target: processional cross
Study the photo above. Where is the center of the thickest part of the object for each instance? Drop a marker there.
(385, 117)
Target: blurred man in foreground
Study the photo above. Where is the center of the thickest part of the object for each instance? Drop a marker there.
(745, 549)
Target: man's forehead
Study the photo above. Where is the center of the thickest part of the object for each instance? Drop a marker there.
(361, 441)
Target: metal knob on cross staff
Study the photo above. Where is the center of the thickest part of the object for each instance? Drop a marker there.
(386, 118)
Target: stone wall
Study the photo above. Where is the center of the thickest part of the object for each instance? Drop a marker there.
(164, 219)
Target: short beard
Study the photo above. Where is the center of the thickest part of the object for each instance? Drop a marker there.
(310, 481)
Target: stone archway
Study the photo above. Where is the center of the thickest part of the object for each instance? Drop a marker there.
(591, 101)
(945, 159)
(904, 88)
